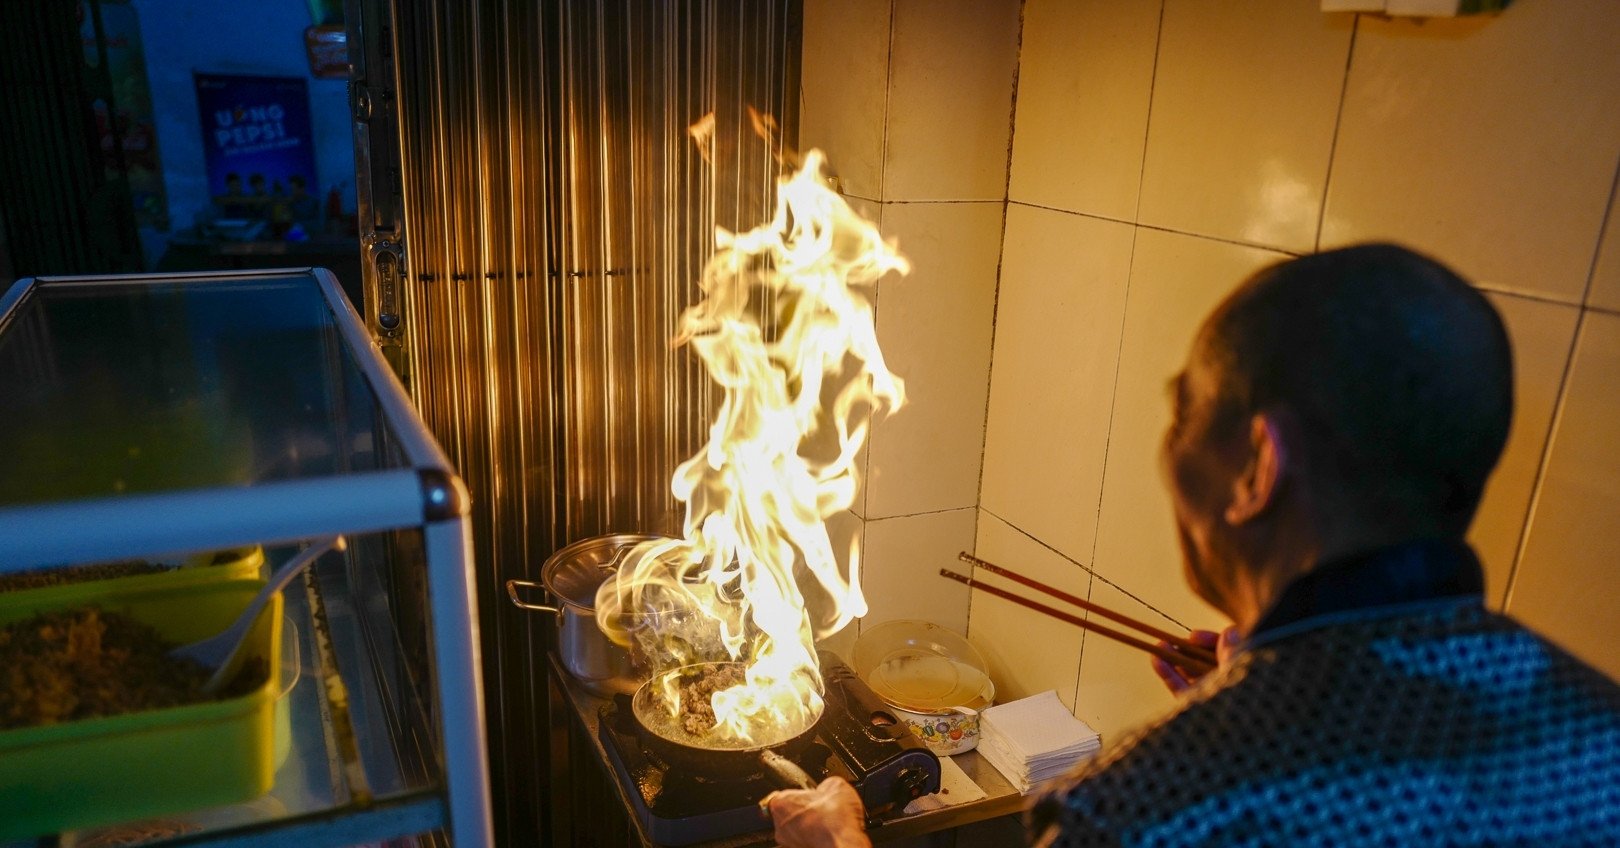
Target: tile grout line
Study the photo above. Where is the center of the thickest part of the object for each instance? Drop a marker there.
(1119, 351)
(1087, 569)
(888, 92)
(995, 301)
(1162, 229)
(1540, 479)
(1603, 229)
(1602, 310)
(941, 511)
(1529, 296)
(1338, 122)
(882, 190)
(883, 175)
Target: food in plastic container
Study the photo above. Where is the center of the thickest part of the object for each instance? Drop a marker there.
(152, 762)
(234, 564)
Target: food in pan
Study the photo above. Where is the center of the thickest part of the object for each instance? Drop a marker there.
(84, 663)
(697, 691)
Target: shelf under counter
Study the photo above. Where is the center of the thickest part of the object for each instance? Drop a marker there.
(582, 712)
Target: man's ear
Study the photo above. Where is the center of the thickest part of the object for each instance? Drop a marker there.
(1256, 487)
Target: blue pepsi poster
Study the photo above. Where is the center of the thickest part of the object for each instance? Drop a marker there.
(256, 140)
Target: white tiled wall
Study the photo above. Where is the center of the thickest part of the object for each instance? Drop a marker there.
(1084, 76)
(1491, 143)
(907, 554)
(1058, 320)
(1244, 101)
(1568, 568)
(934, 325)
(950, 99)
(1028, 653)
(844, 81)
(1161, 151)
(1542, 333)
(912, 102)
(1175, 279)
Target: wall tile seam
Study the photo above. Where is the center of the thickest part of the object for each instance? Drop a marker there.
(883, 157)
(1094, 575)
(940, 201)
(1113, 396)
(1540, 478)
(1147, 121)
(1532, 297)
(1603, 230)
(1159, 228)
(1219, 240)
(879, 518)
(888, 95)
(1078, 214)
(1545, 459)
(1333, 141)
(995, 298)
(1601, 310)
(1107, 446)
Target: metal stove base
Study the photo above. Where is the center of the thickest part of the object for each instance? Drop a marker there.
(676, 809)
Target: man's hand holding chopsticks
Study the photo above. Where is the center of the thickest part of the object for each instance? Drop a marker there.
(1178, 679)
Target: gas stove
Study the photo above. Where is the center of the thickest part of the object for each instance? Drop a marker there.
(857, 738)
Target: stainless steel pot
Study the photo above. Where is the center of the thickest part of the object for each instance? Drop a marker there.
(570, 578)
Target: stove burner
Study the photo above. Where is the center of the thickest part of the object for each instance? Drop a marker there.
(858, 739)
(680, 809)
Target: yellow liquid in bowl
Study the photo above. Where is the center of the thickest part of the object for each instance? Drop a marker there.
(923, 681)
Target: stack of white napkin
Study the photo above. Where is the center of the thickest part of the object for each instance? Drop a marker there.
(1034, 739)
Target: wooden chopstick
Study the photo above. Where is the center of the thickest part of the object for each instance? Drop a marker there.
(1180, 643)
(1190, 663)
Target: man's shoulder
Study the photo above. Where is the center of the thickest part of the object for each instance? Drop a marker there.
(1426, 713)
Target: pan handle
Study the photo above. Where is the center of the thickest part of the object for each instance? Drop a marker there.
(786, 772)
(512, 592)
(787, 775)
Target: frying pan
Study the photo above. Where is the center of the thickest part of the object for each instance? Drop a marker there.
(774, 760)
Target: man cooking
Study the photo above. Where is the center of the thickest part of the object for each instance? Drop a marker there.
(1333, 429)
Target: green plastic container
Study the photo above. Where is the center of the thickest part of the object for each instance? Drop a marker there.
(150, 763)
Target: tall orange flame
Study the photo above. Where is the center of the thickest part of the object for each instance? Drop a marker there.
(787, 332)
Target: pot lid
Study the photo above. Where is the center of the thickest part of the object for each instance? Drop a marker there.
(574, 573)
(922, 667)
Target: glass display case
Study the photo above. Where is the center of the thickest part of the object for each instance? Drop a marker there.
(166, 418)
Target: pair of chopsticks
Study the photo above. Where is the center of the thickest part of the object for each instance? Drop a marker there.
(1188, 655)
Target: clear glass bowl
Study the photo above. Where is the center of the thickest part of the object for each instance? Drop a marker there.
(922, 667)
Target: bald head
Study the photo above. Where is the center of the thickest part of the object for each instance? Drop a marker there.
(1398, 372)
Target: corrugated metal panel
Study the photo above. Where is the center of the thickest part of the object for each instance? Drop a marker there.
(557, 217)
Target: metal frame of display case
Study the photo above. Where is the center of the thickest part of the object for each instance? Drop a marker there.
(427, 496)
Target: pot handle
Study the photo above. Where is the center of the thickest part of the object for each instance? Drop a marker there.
(512, 592)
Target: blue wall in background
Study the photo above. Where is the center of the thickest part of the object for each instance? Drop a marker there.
(260, 37)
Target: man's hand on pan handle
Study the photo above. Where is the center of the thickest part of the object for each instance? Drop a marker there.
(1178, 679)
(828, 816)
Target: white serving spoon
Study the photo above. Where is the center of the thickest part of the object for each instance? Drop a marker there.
(216, 652)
